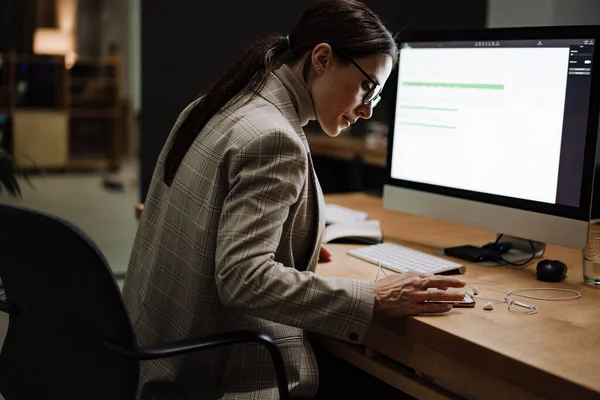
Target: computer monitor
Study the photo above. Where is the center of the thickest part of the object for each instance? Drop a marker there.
(497, 129)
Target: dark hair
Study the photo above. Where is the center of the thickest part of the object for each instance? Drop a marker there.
(347, 25)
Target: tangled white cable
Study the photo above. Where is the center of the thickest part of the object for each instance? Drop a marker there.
(519, 306)
(379, 269)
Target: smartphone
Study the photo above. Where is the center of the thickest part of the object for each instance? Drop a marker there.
(467, 301)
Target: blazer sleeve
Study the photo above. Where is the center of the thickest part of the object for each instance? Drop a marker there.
(266, 177)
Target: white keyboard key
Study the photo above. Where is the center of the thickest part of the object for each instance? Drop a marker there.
(402, 259)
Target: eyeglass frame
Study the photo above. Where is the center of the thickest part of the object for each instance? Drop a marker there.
(376, 85)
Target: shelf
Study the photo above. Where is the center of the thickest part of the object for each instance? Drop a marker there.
(40, 59)
(105, 80)
(87, 94)
(89, 163)
(105, 102)
(40, 138)
(96, 61)
(93, 113)
(40, 108)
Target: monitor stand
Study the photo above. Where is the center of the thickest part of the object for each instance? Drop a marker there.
(519, 252)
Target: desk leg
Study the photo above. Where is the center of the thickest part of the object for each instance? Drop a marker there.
(407, 384)
(340, 379)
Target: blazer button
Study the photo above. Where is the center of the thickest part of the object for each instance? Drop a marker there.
(353, 337)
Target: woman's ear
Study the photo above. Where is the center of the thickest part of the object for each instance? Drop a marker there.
(322, 56)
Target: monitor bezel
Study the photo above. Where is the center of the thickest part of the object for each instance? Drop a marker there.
(581, 213)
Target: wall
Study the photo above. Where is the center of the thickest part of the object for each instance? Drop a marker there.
(514, 13)
(88, 28)
(187, 47)
(135, 55)
(102, 22)
(17, 23)
(114, 28)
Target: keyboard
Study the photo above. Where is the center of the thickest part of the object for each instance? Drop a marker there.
(404, 259)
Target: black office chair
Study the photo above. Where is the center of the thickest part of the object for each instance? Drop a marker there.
(69, 335)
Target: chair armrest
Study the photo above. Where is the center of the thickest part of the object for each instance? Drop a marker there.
(7, 307)
(209, 342)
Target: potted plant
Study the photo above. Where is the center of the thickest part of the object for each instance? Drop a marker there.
(8, 175)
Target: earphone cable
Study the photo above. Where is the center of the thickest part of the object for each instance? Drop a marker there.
(518, 306)
(499, 257)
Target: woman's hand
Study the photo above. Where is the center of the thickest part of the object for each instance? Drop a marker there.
(324, 255)
(409, 293)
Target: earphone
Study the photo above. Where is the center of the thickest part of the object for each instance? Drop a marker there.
(519, 306)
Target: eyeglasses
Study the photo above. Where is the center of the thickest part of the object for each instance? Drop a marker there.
(373, 95)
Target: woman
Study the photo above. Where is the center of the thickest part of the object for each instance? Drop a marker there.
(232, 225)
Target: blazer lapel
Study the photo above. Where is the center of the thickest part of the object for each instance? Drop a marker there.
(276, 93)
(320, 224)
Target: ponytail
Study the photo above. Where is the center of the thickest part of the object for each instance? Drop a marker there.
(247, 76)
(347, 25)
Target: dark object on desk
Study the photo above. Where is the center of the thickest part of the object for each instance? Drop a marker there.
(457, 271)
(501, 247)
(354, 240)
(551, 270)
(69, 335)
(472, 253)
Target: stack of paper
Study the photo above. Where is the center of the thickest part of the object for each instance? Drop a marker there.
(338, 214)
(368, 232)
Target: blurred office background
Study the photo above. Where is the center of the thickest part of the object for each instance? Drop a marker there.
(89, 90)
(69, 102)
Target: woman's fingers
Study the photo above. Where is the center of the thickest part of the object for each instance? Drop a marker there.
(437, 295)
(434, 308)
(324, 255)
(441, 282)
(400, 295)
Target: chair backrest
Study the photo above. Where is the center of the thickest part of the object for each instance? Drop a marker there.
(67, 304)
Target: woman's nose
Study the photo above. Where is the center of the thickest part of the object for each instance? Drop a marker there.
(365, 111)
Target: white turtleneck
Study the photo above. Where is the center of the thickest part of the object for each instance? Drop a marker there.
(301, 97)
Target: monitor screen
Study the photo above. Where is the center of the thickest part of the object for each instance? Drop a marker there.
(497, 120)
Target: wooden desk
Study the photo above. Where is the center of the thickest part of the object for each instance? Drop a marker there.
(480, 354)
(347, 148)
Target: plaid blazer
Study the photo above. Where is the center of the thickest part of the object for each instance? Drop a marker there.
(232, 245)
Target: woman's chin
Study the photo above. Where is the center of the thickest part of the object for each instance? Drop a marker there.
(332, 131)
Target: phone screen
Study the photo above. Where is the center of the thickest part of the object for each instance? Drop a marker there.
(467, 301)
